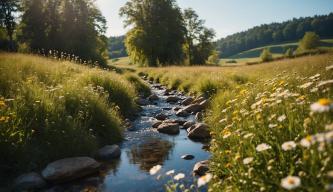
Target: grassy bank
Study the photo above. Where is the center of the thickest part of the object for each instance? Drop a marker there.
(53, 109)
(268, 122)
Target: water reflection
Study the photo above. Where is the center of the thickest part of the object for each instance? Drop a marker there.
(150, 153)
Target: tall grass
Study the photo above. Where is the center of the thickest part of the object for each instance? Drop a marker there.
(51, 109)
(262, 126)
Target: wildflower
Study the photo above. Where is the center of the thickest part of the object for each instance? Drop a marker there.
(306, 85)
(204, 179)
(307, 141)
(291, 182)
(155, 169)
(282, 118)
(171, 172)
(226, 134)
(263, 147)
(325, 83)
(289, 145)
(248, 135)
(272, 125)
(323, 105)
(247, 160)
(179, 176)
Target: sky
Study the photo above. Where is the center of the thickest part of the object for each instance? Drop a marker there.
(229, 16)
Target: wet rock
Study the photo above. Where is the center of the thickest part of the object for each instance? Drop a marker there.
(198, 100)
(178, 121)
(193, 108)
(153, 97)
(69, 169)
(168, 128)
(188, 124)
(204, 104)
(29, 181)
(167, 108)
(92, 181)
(187, 101)
(161, 117)
(176, 108)
(182, 113)
(142, 102)
(206, 147)
(198, 131)
(198, 116)
(172, 99)
(201, 168)
(156, 124)
(167, 92)
(187, 157)
(108, 152)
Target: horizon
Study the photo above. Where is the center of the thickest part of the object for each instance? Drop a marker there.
(231, 22)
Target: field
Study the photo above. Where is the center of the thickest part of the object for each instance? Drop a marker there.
(271, 123)
(278, 50)
(53, 109)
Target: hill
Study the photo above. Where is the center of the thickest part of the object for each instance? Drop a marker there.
(275, 33)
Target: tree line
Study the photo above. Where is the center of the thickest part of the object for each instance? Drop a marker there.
(72, 27)
(163, 34)
(262, 35)
(117, 47)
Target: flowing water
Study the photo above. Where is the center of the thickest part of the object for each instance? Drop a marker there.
(144, 148)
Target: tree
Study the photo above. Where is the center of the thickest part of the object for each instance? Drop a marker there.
(198, 38)
(8, 8)
(289, 53)
(266, 55)
(157, 35)
(310, 41)
(214, 58)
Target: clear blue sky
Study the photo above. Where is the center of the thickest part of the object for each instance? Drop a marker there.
(229, 16)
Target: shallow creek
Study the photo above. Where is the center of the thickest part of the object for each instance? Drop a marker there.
(144, 148)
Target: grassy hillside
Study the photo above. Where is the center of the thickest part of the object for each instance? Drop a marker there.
(268, 122)
(53, 109)
(277, 50)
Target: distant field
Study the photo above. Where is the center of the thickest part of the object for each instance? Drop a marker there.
(276, 49)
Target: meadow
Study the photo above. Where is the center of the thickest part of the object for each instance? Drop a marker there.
(51, 109)
(271, 124)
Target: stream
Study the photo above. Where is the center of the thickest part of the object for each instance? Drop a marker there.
(144, 148)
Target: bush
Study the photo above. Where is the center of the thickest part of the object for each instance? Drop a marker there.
(289, 53)
(266, 55)
(214, 59)
(310, 41)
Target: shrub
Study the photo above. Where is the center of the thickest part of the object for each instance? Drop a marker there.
(289, 53)
(266, 55)
(310, 41)
(214, 59)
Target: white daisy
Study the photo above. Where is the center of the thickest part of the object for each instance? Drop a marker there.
(171, 172)
(289, 145)
(291, 182)
(179, 176)
(263, 147)
(323, 105)
(204, 179)
(282, 118)
(247, 160)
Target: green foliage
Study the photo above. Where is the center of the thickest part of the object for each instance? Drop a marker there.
(266, 55)
(47, 106)
(289, 53)
(199, 44)
(117, 47)
(157, 35)
(310, 41)
(214, 58)
(71, 26)
(140, 86)
(275, 33)
(8, 9)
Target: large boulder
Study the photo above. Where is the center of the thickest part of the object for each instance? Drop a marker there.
(198, 100)
(198, 131)
(156, 124)
(187, 101)
(169, 128)
(29, 181)
(108, 152)
(188, 124)
(193, 108)
(199, 116)
(182, 113)
(204, 104)
(201, 168)
(70, 169)
(161, 117)
(179, 121)
(172, 99)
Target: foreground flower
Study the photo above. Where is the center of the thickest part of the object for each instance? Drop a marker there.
(323, 105)
(171, 172)
(179, 176)
(247, 160)
(289, 145)
(204, 179)
(282, 118)
(307, 141)
(155, 169)
(263, 147)
(291, 182)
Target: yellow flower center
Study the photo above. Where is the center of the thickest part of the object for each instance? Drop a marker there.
(324, 102)
(291, 181)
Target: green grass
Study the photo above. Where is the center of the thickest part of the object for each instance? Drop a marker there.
(53, 109)
(264, 104)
